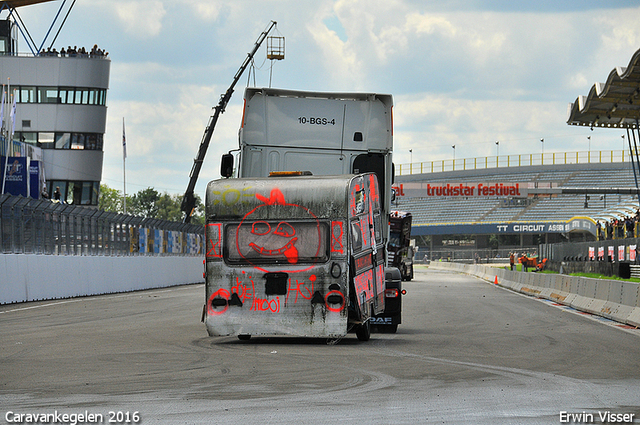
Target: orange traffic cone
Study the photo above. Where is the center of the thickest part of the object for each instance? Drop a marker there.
(496, 281)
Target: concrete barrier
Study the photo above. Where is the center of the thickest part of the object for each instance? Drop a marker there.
(614, 299)
(25, 277)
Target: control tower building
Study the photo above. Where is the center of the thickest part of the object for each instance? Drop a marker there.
(60, 95)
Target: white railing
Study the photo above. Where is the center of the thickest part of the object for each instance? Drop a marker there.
(522, 160)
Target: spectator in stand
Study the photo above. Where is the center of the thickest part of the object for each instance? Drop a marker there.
(620, 228)
(628, 224)
(609, 229)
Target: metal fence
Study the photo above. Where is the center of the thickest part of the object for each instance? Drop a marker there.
(480, 255)
(29, 226)
(518, 160)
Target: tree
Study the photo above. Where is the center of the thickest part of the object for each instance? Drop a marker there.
(144, 203)
(110, 199)
(169, 207)
(149, 203)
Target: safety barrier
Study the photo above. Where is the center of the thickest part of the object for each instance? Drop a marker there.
(614, 299)
(31, 277)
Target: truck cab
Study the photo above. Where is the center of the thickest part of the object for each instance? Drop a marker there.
(325, 133)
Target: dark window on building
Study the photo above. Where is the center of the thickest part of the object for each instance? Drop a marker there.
(26, 95)
(63, 140)
(77, 141)
(26, 137)
(48, 95)
(46, 140)
(75, 192)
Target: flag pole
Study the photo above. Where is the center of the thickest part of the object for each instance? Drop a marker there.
(124, 168)
(7, 141)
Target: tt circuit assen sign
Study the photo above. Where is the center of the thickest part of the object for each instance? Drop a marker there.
(584, 224)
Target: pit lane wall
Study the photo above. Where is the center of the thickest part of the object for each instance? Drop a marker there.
(614, 299)
(25, 277)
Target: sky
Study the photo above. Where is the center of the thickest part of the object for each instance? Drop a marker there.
(463, 73)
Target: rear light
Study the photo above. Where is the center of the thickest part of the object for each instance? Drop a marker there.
(394, 293)
(289, 173)
(391, 293)
(214, 241)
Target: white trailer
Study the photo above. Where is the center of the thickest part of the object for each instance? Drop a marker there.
(299, 256)
(322, 132)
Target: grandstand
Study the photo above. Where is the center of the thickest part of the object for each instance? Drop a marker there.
(534, 217)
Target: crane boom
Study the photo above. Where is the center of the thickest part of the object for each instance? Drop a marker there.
(189, 200)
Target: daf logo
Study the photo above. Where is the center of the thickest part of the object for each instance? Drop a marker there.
(381, 321)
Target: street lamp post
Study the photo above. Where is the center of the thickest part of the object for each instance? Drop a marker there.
(454, 156)
(411, 163)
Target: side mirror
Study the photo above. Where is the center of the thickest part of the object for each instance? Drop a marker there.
(226, 165)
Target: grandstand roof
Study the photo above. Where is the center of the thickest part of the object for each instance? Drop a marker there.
(613, 104)
(19, 3)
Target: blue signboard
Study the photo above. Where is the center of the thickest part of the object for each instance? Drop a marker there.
(16, 176)
(34, 179)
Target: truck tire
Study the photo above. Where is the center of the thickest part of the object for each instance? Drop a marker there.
(363, 332)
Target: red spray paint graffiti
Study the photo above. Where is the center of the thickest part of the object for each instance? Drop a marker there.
(265, 240)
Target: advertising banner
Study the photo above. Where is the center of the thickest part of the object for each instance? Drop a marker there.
(158, 242)
(143, 240)
(34, 179)
(466, 189)
(621, 253)
(17, 176)
(574, 224)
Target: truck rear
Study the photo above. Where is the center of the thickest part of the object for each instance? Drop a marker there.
(299, 255)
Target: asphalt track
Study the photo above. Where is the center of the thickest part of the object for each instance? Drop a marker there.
(468, 352)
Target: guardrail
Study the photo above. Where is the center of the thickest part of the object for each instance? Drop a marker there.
(522, 160)
(30, 226)
(614, 299)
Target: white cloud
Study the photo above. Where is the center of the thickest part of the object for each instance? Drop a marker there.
(430, 24)
(141, 18)
(431, 124)
(205, 10)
